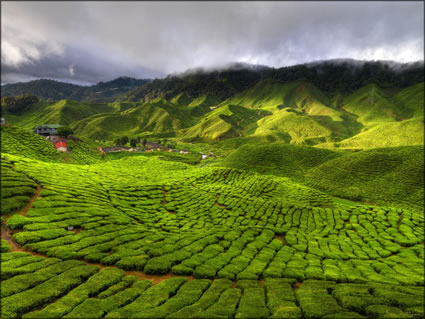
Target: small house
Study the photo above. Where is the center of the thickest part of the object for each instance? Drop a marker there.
(47, 129)
(3, 121)
(115, 149)
(61, 145)
(153, 146)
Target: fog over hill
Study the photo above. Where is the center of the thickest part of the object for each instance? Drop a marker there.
(222, 82)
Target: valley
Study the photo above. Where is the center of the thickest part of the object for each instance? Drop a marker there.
(270, 193)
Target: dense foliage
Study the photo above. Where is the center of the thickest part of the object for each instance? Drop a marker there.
(287, 206)
(331, 76)
(318, 258)
(64, 131)
(17, 105)
(55, 90)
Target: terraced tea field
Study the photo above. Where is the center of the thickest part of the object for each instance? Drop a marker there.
(141, 237)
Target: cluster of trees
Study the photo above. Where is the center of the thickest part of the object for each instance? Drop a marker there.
(220, 84)
(52, 90)
(123, 140)
(18, 104)
(64, 131)
(350, 75)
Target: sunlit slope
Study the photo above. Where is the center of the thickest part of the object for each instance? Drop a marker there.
(205, 100)
(273, 95)
(412, 100)
(62, 112)
(201, 105)
(372, 105)
(23, 142)
(278, 159)
(408, 132)
(158, 117)
(181, 99)
(225, 122)
(388, 176)
(290, 126)
(384, 176)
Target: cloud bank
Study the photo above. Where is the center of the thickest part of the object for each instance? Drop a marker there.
(88, 42)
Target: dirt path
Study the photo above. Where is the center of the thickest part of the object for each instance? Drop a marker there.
(24, 210)
(7, 234)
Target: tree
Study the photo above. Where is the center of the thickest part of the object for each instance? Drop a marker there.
(133, 142)
(124, 140)
(117, 142)
(64, 131)
(18, 104)
(144, 142)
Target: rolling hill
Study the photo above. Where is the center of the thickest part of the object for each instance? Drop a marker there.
(386, 176)
(157, 117)
(302, 105)
(62, 112)
(301, 213)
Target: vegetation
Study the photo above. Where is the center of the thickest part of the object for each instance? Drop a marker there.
(54, 90)
(18, 104)
(64, 131)
(300, 213)
(205, 222)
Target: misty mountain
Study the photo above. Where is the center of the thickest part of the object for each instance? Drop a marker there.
(55, 90)
(220, 83)
(339, 75)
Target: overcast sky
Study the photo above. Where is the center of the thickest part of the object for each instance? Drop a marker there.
(88, 42)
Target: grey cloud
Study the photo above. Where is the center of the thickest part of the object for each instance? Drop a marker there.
(145, 39)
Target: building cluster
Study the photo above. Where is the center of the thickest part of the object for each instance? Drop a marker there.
(50, 132)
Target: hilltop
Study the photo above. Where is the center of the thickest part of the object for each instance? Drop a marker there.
(332, 104)
(56, 90)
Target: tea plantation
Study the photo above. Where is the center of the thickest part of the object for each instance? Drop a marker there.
(145, 237)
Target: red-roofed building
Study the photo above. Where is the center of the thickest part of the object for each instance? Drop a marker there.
(61, 145)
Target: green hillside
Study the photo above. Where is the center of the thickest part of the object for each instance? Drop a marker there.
(408, 132)
(385, 176)
(290, 126)
(412, 100)
(63, 112)
(226, 122)
(23, 142)
(181, 99)
(157, 117)
(54, 90)
(278, 159)
(372, 105)
(270, 110)
(273, 95)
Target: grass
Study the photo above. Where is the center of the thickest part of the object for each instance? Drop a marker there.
(366, 176)
(278, 159)
(20, 141)
(63, 112)
(225, 122)
(51, 288)
(156, 117)
(210, 222)
(392, 134)
(259, 234)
